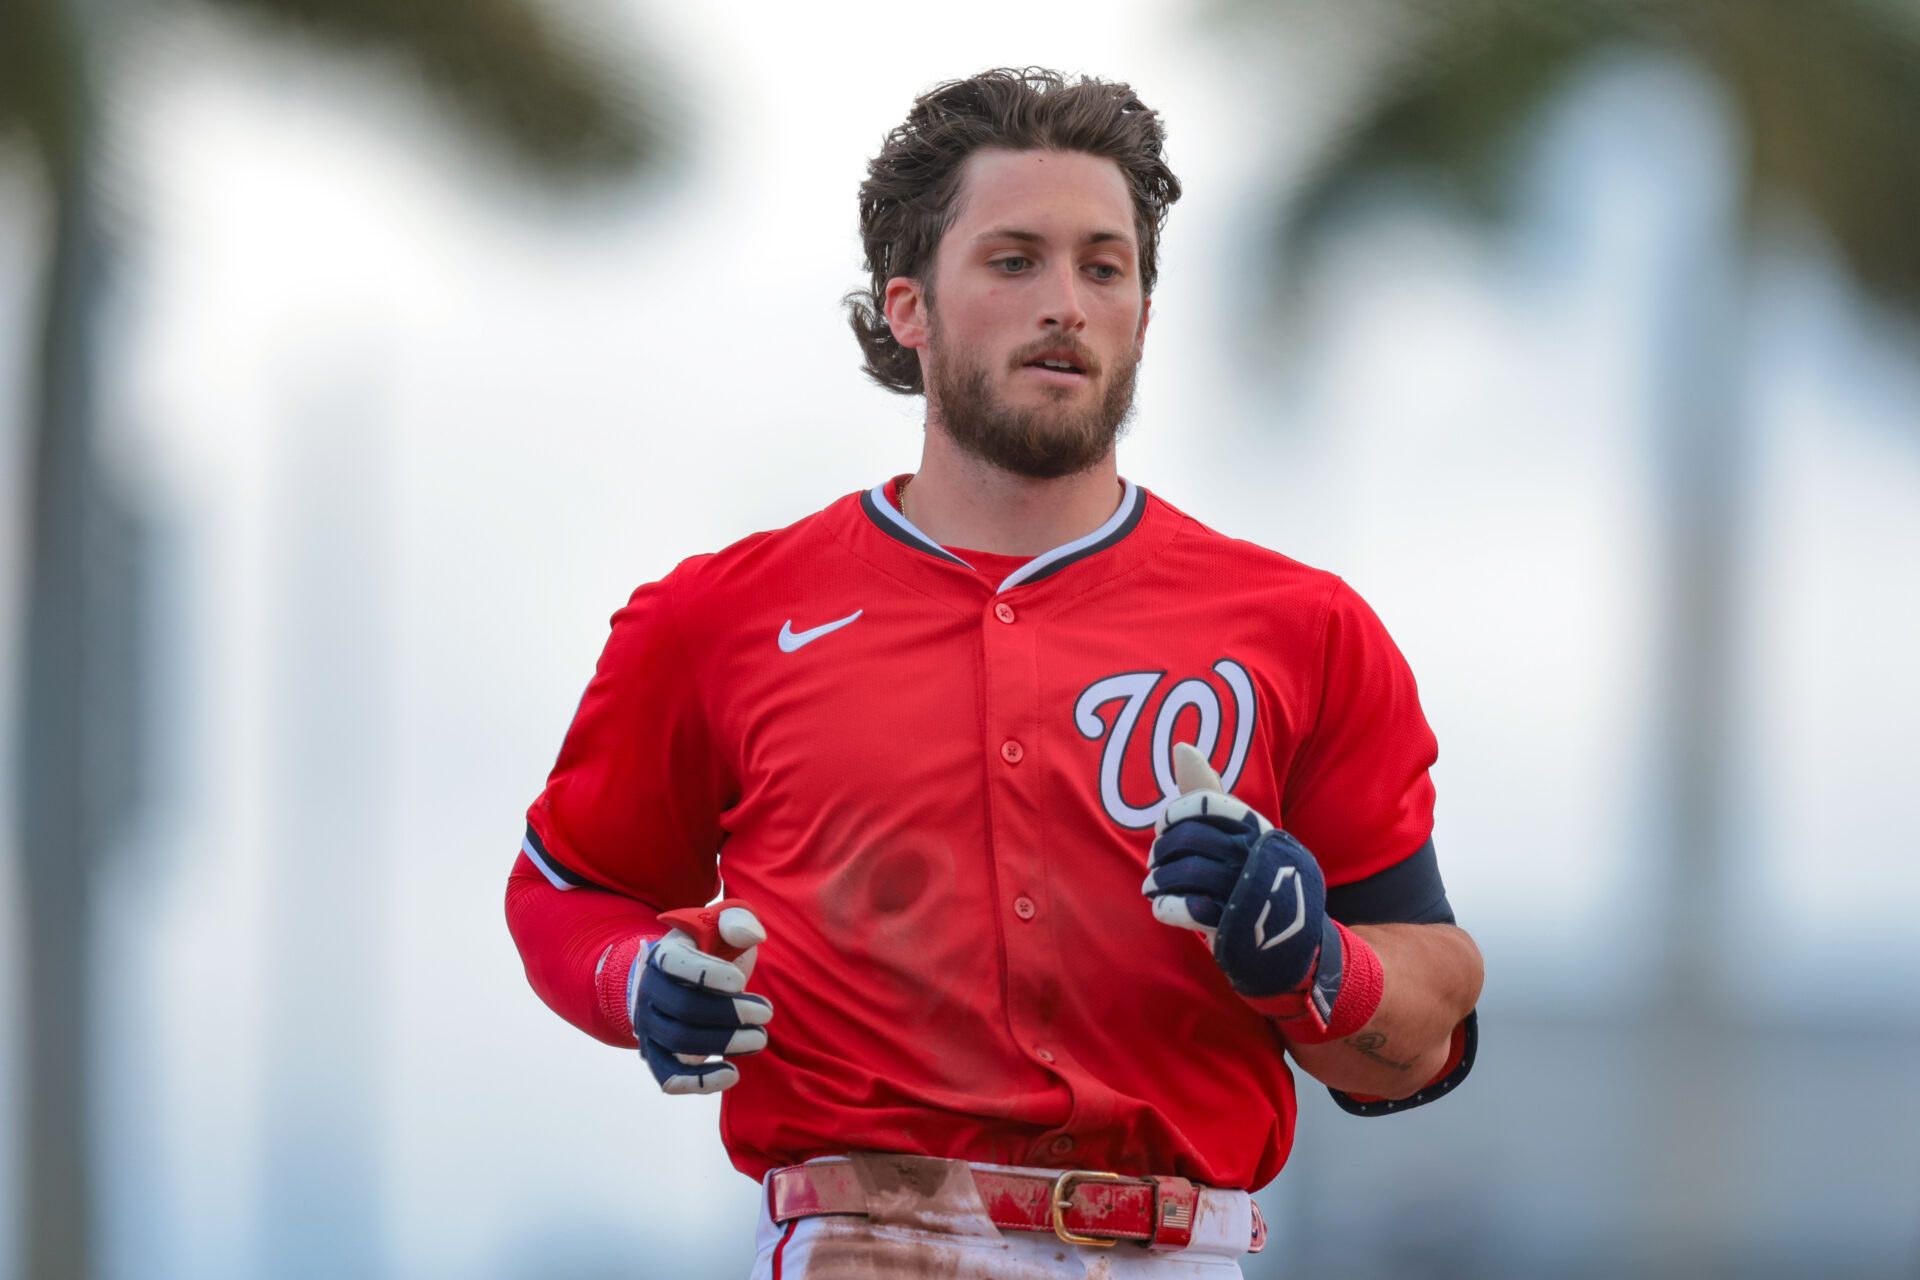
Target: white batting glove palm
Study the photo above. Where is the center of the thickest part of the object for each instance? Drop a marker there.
(1184, 901)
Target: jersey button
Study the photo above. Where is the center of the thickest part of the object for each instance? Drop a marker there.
(1023, 907)
(1012, 752)
(1004, 612)
(1045, 1055)
(1060, 1145)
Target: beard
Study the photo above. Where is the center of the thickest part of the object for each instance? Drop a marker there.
(1043, 443)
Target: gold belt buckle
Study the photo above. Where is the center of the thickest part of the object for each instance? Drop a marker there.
(1063, 1199)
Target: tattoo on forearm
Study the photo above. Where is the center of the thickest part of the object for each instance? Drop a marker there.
(1371, 1044)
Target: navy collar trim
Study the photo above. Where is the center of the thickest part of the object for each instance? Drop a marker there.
(894, 523)
(891, 521)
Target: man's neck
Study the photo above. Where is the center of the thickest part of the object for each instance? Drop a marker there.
(960, 501)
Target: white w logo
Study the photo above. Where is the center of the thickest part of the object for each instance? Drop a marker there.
(1135, 687)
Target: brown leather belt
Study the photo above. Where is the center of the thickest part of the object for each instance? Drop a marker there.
(1083, 1207)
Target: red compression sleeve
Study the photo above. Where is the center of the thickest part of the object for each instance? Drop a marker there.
(577, 946)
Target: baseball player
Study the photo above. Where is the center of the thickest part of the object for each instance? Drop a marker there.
(1051, 822)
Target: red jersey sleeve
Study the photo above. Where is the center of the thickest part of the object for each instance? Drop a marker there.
(633, 805)
(1358, 794)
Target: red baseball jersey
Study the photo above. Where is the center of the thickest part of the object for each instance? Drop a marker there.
(934, 776)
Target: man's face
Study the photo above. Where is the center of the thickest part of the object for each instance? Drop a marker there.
(1040, 267)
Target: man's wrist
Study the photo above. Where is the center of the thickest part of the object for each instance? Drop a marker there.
(1360, 982)
(613, 985)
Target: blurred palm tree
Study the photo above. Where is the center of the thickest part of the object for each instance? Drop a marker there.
(540, 100)
(1822, 98)
(1827, 104)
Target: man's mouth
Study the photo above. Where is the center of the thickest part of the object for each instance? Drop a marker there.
(1058, 368)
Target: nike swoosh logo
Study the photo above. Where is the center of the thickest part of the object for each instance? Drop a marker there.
(791, 640)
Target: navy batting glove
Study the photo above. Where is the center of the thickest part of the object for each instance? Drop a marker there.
(689, 1006)
(1220, 868)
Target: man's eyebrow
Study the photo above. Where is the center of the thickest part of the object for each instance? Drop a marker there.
(1034, 237)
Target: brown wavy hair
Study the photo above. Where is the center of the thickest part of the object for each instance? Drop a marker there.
(907, 201)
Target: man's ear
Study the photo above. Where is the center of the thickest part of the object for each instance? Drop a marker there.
(906, 310)
(1140, 334)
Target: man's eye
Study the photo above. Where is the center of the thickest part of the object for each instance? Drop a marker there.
(1014, 262)
(1113, 272)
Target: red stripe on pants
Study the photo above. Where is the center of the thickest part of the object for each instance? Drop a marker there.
(782, 1247)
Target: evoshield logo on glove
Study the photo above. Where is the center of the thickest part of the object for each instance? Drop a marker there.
(1260, 938)
(1135, 687)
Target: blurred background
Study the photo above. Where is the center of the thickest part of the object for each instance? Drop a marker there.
(358, 358)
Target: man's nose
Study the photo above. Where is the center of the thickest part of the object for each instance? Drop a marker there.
(1061, 302)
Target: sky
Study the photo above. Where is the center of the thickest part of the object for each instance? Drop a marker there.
(409, 440)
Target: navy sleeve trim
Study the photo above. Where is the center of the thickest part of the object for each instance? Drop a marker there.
(558, 874)
(1408, 892)
(1440, 1088)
